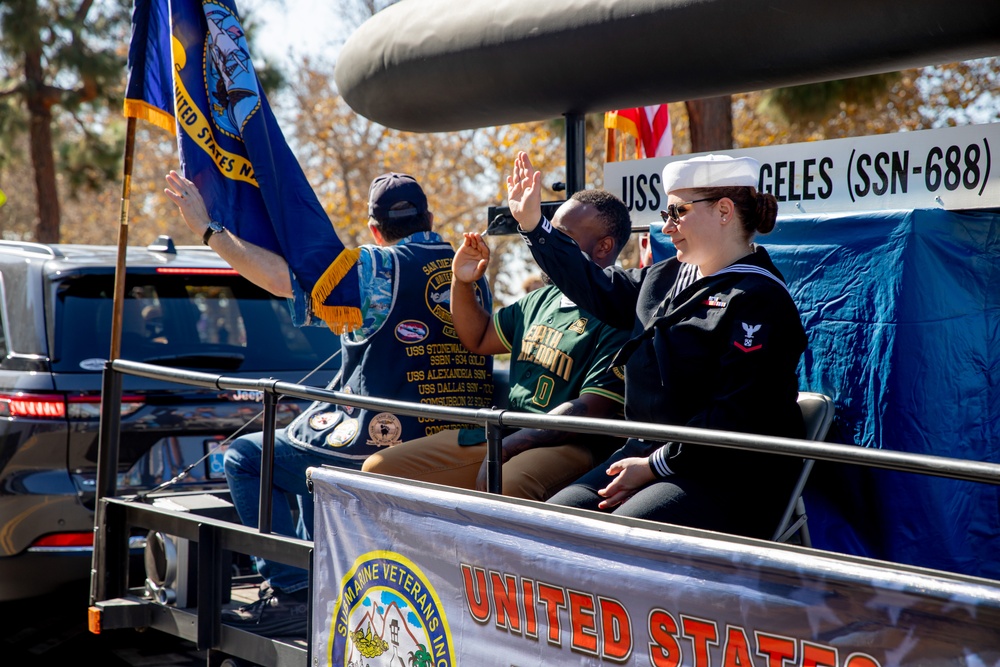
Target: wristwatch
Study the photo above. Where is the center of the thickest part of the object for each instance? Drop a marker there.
(214, 227)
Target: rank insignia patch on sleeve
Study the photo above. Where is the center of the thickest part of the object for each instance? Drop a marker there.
(747, 344)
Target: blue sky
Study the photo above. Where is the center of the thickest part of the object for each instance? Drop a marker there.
(291, 29)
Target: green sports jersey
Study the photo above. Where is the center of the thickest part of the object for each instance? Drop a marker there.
(558, 351)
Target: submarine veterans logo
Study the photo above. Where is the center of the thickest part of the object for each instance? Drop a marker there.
(387, 613)
(437, 295)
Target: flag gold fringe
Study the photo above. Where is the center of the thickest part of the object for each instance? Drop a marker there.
(613, 120)
(338, 318)
(149, 113)
(621, 133)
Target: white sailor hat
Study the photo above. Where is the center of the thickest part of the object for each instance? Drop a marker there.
(711, 171)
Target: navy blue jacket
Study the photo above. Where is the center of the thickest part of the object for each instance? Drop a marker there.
(415, 355)
(717, 352)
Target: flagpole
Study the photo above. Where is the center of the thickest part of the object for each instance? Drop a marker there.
(119, 298)
(111, 384)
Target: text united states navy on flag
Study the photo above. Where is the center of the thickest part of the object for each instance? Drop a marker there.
(190, 72)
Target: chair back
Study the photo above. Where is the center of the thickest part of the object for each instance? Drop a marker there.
(817, 413)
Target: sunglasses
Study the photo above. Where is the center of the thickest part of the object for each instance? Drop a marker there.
(674, 211)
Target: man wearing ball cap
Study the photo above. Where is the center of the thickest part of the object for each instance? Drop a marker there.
(404, 279)
(715, 343)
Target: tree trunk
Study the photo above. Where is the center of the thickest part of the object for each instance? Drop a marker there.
(42, 157)
(711, 123)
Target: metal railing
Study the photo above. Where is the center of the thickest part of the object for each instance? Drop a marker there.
(496, 419)
(215, 537)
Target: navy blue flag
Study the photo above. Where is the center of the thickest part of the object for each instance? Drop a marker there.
(191, 72)
(150, 92)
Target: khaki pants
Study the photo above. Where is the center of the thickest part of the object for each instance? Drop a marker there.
(536, 474)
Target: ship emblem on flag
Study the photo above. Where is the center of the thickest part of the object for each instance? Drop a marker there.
(229, 73)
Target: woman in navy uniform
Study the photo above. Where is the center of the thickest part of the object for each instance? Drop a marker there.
(716, 339)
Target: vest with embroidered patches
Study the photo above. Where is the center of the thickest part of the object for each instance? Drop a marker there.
(414, 356)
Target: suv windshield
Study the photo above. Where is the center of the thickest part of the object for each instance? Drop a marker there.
(203, 319)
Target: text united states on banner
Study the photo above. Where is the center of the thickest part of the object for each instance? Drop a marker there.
(422, 575)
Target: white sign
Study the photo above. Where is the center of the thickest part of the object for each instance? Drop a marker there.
(950, 168)
(410, 574)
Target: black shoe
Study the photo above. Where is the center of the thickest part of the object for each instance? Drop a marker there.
(265, 590)
(273, 615)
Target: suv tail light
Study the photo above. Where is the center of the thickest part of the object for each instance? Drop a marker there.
(35, 406)
(64, 540)
(57, 406)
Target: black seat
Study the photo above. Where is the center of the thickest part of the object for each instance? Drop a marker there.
(817, 413)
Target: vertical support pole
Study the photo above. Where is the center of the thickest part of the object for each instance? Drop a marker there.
(210, 580)
(494, 463)
(109, 432)
(267, 463)
(107, 479)
(97, 585)
(576, 153)
(309, 608)
(109, 572)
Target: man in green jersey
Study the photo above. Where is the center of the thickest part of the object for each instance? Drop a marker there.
(560, 364)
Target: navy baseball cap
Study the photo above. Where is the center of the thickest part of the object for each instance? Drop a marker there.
(391, 189)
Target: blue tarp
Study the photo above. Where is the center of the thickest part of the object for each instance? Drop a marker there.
(902, 309)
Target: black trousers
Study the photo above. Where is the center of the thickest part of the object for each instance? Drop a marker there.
(728, 502)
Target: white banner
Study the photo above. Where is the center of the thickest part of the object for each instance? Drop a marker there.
(414, 574)
(950, 168)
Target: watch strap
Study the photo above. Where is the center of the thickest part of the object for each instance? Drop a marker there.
(213, 228)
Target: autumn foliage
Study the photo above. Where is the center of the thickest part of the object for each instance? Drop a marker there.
(463, 172)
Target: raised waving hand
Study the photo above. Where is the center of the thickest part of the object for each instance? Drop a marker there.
(524, 193)
(471, 259)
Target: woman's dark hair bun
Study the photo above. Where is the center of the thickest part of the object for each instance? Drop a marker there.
(767, 212)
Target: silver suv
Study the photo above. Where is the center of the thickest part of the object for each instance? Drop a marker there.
(184, 307)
